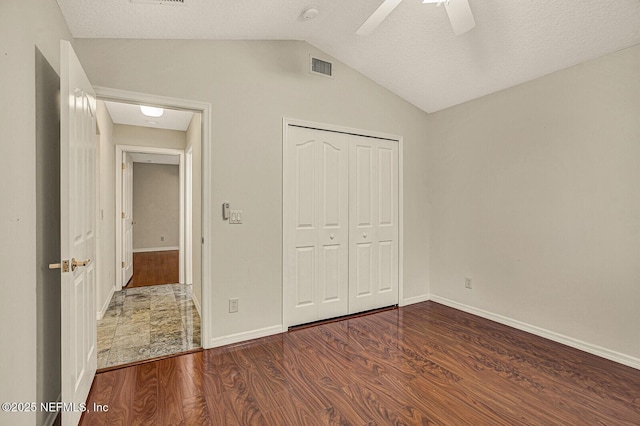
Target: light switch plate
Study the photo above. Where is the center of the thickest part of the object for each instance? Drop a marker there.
(235, 217)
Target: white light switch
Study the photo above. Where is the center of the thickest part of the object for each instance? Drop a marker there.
(235, 217)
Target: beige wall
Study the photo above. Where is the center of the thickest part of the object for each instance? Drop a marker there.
(124, 134)
(194, 141)
(251, 86)
(534, 194)
(24, 25)
(106, 242)
(156, 206)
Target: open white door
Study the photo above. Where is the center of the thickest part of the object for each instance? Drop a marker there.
(127, 218)
(78, 235)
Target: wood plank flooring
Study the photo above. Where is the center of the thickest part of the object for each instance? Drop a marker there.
(153, 268)
(420, 364)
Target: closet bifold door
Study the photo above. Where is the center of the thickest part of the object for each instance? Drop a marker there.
(317, 221)
(373, 223)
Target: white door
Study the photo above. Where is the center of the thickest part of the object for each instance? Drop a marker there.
(316, 221)
(78, 239)
(188, 217)
(127, 218)
(373, 223)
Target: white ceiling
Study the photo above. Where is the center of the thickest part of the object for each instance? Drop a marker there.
(130, 114)
(414, 53)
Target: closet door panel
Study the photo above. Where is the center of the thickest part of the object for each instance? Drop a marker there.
(301, 246)
(387, 224)
(373, 182)
(363, 217)
(333, 211)
(316, 221)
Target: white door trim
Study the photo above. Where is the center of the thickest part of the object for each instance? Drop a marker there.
(188, 218)
(286, 122)
(204, 108)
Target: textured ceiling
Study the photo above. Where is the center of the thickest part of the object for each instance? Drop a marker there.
(414, 53)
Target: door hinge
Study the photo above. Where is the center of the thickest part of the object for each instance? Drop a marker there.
(122, 265)
(123, 215)
(124, 166)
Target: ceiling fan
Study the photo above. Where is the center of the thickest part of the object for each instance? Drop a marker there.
(458, 10)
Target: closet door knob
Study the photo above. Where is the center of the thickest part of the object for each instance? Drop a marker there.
(364, 235)
(331, 236)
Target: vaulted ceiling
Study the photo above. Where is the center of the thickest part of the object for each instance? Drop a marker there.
(413, 53)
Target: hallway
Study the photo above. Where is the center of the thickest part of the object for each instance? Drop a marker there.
(148, 322)
(154, 267)
(151, 317)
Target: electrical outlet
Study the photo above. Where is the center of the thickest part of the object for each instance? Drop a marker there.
(467, 282)
(233, 305)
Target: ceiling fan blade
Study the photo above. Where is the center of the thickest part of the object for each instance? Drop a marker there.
(377, 17)
(460, 16)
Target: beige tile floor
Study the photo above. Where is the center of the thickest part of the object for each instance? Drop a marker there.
(148, 322)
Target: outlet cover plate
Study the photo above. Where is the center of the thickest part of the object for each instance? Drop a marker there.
(233, 305)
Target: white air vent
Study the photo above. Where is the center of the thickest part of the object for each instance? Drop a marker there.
(321, 67)
(162, 2)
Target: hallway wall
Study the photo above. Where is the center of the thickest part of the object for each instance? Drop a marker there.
(124, 134)
(106, 221)
(156, 206)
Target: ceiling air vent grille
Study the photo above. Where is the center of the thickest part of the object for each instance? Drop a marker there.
(162, 2)
(320, 67)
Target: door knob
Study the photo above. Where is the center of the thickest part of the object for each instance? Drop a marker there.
(331, 236)
(75, 263)
(364, 235)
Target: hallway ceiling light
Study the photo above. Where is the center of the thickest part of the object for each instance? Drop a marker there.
(151, 111)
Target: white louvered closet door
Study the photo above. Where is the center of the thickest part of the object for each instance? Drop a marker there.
(316, 214)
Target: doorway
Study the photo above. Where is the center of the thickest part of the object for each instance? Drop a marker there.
(149, 315)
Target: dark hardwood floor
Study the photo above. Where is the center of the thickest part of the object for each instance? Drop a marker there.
(153, 268)
(421, 364)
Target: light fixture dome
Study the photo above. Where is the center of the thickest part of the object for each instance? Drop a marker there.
(150, 111)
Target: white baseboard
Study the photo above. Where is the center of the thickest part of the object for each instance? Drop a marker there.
(105, 306)
(618, 357)
(142, 250)
(247, 335)
(51, 418)
(415, 299)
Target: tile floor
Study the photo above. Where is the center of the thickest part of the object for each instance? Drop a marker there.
(148, 322)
